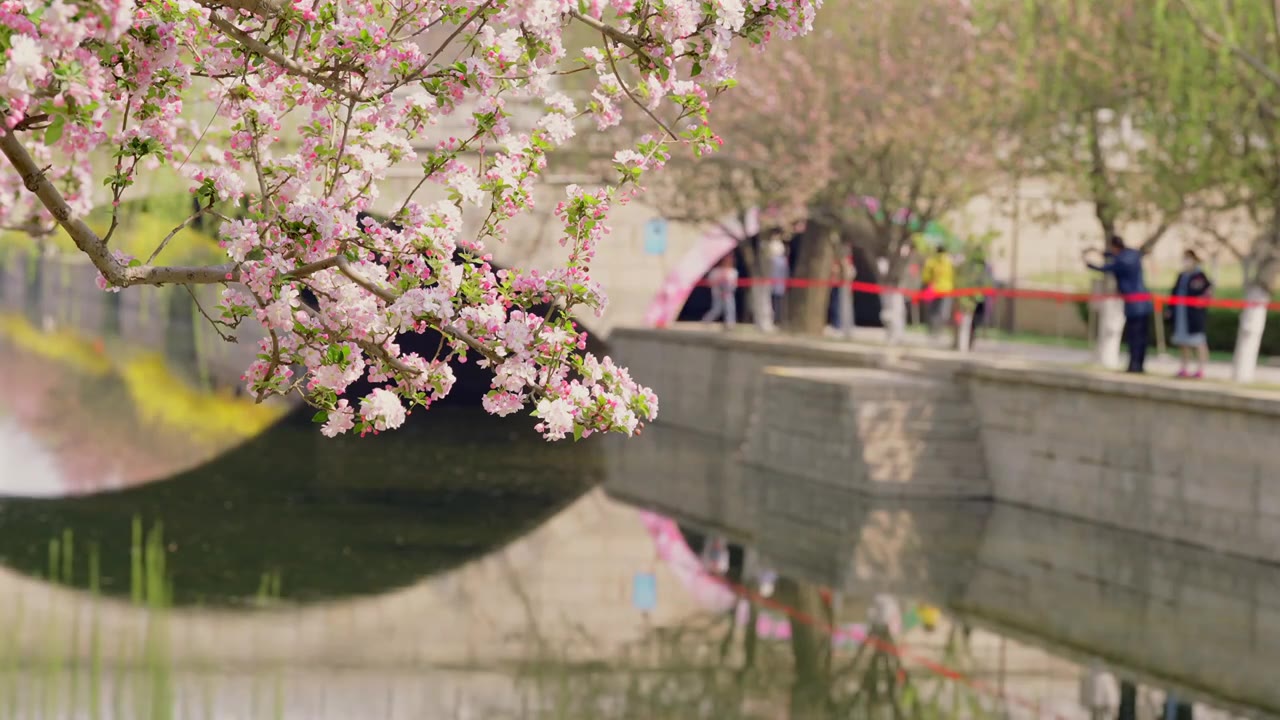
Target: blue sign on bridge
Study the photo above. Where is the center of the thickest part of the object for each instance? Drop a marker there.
(655, 237)
(644, 592)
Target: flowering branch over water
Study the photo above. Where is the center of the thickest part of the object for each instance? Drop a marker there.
(356, 88)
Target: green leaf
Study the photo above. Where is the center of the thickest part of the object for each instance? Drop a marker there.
(322, 416)
(577, 432)
(55, 130)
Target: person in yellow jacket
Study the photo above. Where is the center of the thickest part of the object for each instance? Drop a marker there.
(939, 275)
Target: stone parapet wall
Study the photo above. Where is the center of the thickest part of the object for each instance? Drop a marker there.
(1195, 464)
(1191, 462)
(708, 381)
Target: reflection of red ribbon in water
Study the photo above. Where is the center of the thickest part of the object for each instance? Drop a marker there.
(717, 593)
(711, 592)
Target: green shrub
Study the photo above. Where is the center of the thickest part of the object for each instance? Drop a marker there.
(1221, 326)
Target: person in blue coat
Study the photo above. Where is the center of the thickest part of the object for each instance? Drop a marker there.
(1125, 265)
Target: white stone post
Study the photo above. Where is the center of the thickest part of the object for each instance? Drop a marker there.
(845, 309)
(1253, 320)
(963, 328)
(893, 314)
(761, 307)
(845, 294)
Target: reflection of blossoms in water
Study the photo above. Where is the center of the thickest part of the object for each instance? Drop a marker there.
(101, 420)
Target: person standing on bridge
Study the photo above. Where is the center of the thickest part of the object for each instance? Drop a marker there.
(1189, 315)
(724, 288)
(1125, 265)
(939, 276)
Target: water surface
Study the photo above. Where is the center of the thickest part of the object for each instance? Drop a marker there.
(462, 567)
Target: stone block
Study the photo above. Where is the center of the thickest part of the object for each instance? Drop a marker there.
(1232, 488)
(870, 430)
(1267, 479)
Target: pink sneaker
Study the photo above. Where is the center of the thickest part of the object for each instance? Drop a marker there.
(1183, 374)
(1199, 375)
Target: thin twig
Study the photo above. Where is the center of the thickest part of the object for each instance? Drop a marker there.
(204, 132)
(1214, 38)
(608, 53)
(268, 210)
(230, 30)
(381, 353)
(214, 323)
(117, 190)
(332, 181)
(261, 8)
(452, 36)
(164, 243)
(274, 364)
(614, 34)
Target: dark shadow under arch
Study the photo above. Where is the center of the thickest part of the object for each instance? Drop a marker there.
(866, 305)
(335, 518)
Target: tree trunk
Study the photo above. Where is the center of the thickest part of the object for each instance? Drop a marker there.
(1100, 180)
(761, 307)
(807, 306)
(1106, 350)
(1253, 321)
(758, 303)
(893, 303)
(963, 331)
(1264, 262)
(811, 650)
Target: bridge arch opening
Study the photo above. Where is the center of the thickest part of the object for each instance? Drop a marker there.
(682, 297)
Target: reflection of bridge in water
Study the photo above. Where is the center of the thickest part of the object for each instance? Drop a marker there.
(1154, 612)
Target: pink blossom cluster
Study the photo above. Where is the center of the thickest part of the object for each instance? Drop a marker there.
(298, 110)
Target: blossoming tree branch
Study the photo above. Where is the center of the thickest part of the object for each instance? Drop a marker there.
(314, 101)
